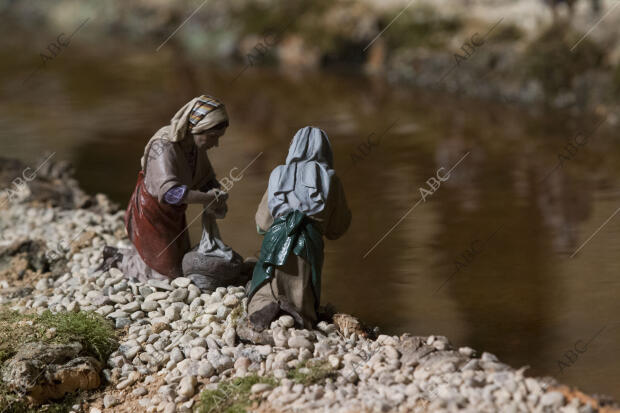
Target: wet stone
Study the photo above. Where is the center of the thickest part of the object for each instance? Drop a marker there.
(161, 285)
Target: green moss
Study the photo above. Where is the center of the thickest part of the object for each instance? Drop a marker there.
(11, 403)
(551, 60)
(506, 32)
(91, 330)
(264, 18)
(235, 315)
(419, 26)
(231, 396)
(312, 372)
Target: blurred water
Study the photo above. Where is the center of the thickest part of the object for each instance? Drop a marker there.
(520, 295)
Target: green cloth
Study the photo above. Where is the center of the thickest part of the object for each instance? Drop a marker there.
(292, 232)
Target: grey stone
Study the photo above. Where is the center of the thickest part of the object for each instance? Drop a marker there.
(130, 352)
(137, 315)
(178, 295)
(105, 310)
(100, 300)
(231, 301)
(173, 313)
(110, 401)
(554, 398)
(176, 355)
(181, 282)
(300, 342)
(260, 388)
(118, 314)
(205, 369)
(467, 351)
(119, 299)
(156, 296)
(161, 285)
(489, 357)
(131, 307)
(187, 386)
(219, 361)
(264, 350)
(194, 292)
(41, 285)
(145, 291)
(196, 353)
(149, 305)
(170, 407)
(286, 321)
(139, 391)
(230, 336)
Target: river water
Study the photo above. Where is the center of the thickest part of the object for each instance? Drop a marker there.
(483, 256)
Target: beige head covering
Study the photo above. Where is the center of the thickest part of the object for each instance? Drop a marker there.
(201, 114)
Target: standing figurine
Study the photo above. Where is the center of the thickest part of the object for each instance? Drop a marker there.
(304, 201)
(176, 171)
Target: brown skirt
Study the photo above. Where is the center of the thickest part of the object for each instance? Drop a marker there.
(157, 230)
(293, 283)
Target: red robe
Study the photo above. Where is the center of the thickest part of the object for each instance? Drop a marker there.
(157, 230)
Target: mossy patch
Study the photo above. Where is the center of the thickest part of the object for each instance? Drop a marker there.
(421, 26)
(12, 403)
(507, 32)
(312, 372)
(232, 396)
(277, 17)
(91, 330)
(236, 314)
(558, 56)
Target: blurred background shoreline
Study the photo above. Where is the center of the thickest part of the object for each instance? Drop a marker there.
(514, 100)
(563, 54)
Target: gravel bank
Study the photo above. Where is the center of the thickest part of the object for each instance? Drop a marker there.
(178, 342)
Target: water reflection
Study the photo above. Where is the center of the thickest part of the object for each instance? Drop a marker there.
(521, 297)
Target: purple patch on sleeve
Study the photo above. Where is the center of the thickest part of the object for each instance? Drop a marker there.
(175, 195)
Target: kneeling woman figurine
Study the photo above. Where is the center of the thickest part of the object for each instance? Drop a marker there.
(304, 201)
(175, 172)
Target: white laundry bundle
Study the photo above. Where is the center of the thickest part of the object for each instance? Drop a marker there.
(212, 263)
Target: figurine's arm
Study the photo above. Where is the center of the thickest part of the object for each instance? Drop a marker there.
(340, 218)
(209, 190)
(211, 184)
(162, 178)
(162, 175)
(263, 217)
(214, 198)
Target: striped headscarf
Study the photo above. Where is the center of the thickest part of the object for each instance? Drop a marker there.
(198, 115)
(204, 105)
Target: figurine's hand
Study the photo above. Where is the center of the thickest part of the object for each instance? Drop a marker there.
(221, 212)
(217, 202)
(219, 198)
